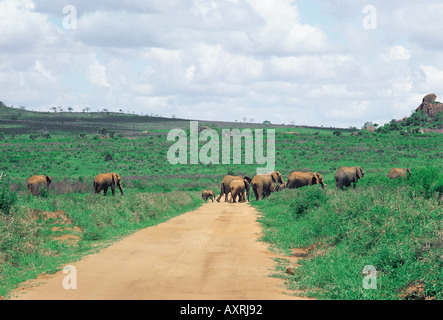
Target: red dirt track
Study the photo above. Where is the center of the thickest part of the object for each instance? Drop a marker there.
(212, 253)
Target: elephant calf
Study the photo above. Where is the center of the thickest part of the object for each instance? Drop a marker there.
(395, 173)
(225, 189)
(240, 188)
(105, 180)
(347, 175)
(208, 194)
(35, 183)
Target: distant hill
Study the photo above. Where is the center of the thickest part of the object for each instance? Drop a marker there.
(21, 121)
(428, 117)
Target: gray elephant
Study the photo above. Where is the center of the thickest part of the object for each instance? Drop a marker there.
(225, 186)
(395, 173)
(299, 179)
(208, 194)
(264, 184)
(347, 175)
(105, 180)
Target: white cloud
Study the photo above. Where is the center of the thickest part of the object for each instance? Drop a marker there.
(97, 74)
(45, 73)
(396, 53)
(281, 61)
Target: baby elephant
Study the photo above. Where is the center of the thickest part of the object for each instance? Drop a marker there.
(240, 188)
(208, 194)
(395, 173)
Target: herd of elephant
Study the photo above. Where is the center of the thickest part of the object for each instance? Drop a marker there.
(237, 188)
(102, 182)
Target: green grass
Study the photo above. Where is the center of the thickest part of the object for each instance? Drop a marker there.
(393, 225)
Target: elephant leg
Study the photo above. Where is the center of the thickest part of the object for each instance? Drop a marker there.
(105, 191)
(259, 193)
(222, 191)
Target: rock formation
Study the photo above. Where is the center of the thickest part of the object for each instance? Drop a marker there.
(429, 106)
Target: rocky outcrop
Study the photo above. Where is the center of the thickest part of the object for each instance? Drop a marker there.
(429, 106)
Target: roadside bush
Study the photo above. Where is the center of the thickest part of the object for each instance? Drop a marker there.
(393, 225)
(8, 197)
(310, 198)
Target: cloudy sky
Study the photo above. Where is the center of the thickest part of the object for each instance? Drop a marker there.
(307, 62)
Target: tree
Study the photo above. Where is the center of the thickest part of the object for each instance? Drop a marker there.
(70, 109)
(103, 132)
(337, 133)
(367, 125)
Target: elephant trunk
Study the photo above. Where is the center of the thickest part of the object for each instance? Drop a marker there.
(121, 188)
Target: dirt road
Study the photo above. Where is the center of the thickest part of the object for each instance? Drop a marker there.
(212, 253)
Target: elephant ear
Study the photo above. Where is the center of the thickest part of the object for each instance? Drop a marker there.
(48, 179)
(357, 172)
(247, 179)
(114, 177)
(409, 171)
(315, 179)
(276, 176)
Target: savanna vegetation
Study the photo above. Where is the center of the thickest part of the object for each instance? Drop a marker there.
(394, 225)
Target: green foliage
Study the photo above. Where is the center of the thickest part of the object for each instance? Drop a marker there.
(377, 224)
(426, 182)
(311, 199)
(8, 197)
(394, 225)
(413, 123)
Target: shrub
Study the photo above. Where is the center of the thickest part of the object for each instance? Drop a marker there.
(311, 197)
(426, 182)
(7, 196)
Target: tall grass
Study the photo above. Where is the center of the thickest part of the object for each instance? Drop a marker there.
(393, 225)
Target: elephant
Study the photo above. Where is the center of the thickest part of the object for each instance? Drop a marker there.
(105, 180)
(225, 189)
(264, 184)
(299, 179)
(347, 175)
(281, 186)
(208, 194)
(395, 173)
(240, 187)
(35, 183)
